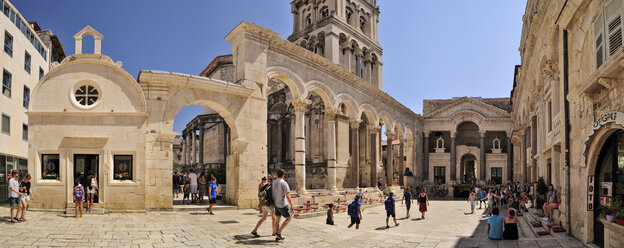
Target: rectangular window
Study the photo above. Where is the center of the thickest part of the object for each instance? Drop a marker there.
(122, 167)
(6, 83)
(26, 97)
(50, 166)
(27, 62)
(25, 132)
(8, 44)
(6, 10)
(12, 15)
(6, 124)
(439, 174)
(497, 175)
(41, 73)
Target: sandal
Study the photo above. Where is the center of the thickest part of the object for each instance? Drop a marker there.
(22, 219)
(255, 234)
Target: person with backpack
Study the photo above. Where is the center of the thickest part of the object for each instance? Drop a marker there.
(265, 197)
(92, 187)
(423, 202)
(407, 198)
(390, 207)
(78, 197)
(355, 211)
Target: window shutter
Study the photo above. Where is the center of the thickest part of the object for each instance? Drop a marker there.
(613, 24)
(599, 39)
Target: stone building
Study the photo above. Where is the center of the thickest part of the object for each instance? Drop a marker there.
(466, 141)
(204, 143)
(567, 104)
(27, 54)
(318, 115)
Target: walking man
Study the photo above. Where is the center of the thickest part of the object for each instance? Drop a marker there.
(193, 177)
(407, 198)
(212, 195)
(14, 196)
(280, 191)
(390, 209)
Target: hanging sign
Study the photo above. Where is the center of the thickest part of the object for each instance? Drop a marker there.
(590, 193)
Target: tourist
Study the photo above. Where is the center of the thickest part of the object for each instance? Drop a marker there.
(265, 197)
(186, 190)
(176, 184)
(193, 179)
(182, 182)
(481, 196)
(212, 195)
(91, 189)
(490, 201)
(495, 225)
(14, 196)
(472, 198)
(423, 202)
(379, 183)
(408, 199)
(515, 203)
(260, 186)
(360, 196)
(390, 207)
(26, 195)
(330, 214)
(78, 197)
(551, 201)
(511, 226)
(554, 204)
(282, 200)
(355, 212)
(201, 186)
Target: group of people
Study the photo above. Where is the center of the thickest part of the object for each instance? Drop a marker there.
(90, 180)
(194, 188)
(274, 199)
(19, 196)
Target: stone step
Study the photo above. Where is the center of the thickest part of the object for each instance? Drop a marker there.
(72, 211)
(536, 224)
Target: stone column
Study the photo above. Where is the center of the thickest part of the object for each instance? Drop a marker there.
(331, 150)
(201, 144)
(184, 148)
(193, 145)
(533, 148)
(389, 172)
(373, 130)
(482, 166)
(300, 173)
(355, 152)
(509, 159)
(279, 141)
(296, 18)
(453, 157)
(402, 161)
(523, 157)
(425, 165)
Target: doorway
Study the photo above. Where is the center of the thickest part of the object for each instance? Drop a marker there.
(468, 169)
(83, 165)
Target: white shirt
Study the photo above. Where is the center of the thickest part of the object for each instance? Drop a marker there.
(13, 184)
(193, 178)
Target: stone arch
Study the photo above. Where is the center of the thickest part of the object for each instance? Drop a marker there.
(326, 93)
(370, 110)
(350, 103)
(462, 116)
(400, 128)
(97, 39)
(385, 117)
(291, 79)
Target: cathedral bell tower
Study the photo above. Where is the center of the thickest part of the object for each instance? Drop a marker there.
(343, 31)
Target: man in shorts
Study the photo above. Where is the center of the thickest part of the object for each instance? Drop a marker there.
(212, 195)
(193, 178)
(281, 196)
(390, 209)
(356, 213)
(14, 195)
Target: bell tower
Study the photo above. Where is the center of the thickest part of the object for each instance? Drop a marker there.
(343, 31)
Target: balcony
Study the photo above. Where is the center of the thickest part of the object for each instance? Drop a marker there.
(603, 77)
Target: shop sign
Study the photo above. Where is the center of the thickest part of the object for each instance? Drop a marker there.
(590, 193)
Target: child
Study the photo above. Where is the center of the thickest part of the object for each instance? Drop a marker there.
(390, 207)
(187, 190)
(78, 197)
(355, 211)
(330, 215)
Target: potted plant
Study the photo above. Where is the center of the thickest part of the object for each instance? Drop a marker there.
(609, 214)
(619, 217)
(541, 189)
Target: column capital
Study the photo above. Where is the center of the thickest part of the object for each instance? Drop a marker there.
(355, 123)
(426, 134)
(330, 112)
(300, 104)
(482, 133)
(373, 128)
(389, 134)
(453, 134)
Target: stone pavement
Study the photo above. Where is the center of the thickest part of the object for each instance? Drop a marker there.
(445, 225)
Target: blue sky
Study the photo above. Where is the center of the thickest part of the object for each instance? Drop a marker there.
(432, 49)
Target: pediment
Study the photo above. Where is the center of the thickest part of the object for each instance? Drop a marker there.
(470, 104)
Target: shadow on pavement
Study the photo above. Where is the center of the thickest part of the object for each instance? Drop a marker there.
(251, 240)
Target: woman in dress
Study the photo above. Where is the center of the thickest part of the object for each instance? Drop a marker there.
(472, 198)
(423, 202)
(511, 226)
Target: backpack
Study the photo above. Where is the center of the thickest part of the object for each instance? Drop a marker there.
(266, 196)
(352, 209)
(389, 205)
(79, 192)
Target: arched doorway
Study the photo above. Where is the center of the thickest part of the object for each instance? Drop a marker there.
(608, 174)
(468, 168)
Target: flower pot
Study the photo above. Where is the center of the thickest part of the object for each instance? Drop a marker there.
(609, 218)
(619, 221)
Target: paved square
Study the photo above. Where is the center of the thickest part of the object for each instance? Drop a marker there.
(446, 225)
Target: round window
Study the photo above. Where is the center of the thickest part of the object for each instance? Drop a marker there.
(86, 95)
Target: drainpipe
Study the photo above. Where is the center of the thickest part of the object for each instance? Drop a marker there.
(566, 109)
